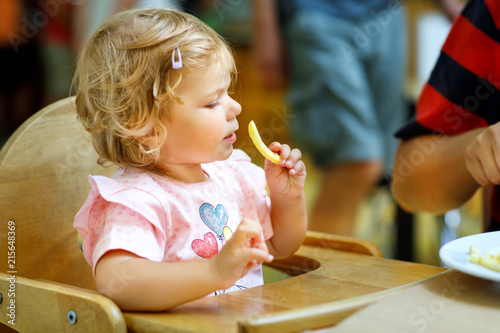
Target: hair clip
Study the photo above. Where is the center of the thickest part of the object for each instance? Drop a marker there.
(176, 64)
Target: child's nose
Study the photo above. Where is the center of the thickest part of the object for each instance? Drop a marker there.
(234, 109)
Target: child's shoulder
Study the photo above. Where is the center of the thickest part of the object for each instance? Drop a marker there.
(131, 177)
(124, 180)
(130, 189)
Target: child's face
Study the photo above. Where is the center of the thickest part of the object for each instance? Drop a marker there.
(202, 129)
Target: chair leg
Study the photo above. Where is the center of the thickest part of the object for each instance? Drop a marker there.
(405, 235)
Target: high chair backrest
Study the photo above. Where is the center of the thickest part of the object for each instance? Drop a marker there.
(44, 168)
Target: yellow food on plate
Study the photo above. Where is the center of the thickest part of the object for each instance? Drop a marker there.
(490, 261)
(257, 141)
(475, 255)
(487, 260)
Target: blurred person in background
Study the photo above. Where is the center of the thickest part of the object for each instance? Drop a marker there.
(56, 49)
(21, 89)
(346, 66)
(91, 13)
(344, 69)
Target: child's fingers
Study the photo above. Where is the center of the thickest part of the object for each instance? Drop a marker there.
(294, 156)
(257, 256)
(275, 147)
(282, 150)
(250, 233)
(298, 169)
(261, 245)
(291, 159)
(286, 152)
(249, 229)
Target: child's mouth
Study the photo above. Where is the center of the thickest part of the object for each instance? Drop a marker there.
(230, 138)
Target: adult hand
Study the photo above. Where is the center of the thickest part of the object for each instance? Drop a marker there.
(482, 156)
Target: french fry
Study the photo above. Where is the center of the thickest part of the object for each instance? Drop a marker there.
(490, 261)
(487, 260)
(261, 147)
(475, 255)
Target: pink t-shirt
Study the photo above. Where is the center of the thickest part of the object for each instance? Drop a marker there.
(161, 219)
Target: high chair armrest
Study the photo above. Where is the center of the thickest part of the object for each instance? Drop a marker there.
(343, 243)
(296, 265)
(308, 318)
(29, 305)
(321, 315)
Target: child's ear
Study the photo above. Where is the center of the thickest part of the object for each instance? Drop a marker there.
(148, 139)
(151, 140)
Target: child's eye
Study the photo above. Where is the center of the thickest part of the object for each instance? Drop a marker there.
(212, 105)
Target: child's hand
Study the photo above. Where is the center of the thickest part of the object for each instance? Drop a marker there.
(245, 249)
(289, 176)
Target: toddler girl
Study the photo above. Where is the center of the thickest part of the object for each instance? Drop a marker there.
(185, 215)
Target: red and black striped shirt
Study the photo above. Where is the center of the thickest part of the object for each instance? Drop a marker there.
(463, 91)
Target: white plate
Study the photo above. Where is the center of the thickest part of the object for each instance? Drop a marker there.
(456, 254)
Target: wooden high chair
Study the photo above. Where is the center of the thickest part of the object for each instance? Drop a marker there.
(43, 183)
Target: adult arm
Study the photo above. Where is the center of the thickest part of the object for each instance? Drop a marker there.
(431, 172)
(451, 8)
(267, 45)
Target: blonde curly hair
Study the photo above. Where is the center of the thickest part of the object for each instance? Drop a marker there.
(124, 80)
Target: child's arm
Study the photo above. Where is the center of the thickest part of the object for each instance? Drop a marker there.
(288, 205)
(138, 284)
